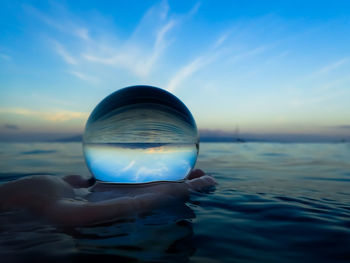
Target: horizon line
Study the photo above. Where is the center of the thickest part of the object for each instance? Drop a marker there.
(204, 135)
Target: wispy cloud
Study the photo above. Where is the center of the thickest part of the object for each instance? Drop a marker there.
(64, 53)
(184, 73)
(144, 172)
(194, 9)
(62, 22)
(83, 76)
(139, 54)
(44, 18)
(247, 54)
(333, 66)
(208, 57)
(82, 33)
(57, 116)
(221, 39)
(130, 165)
(192, 67)
(135, 55)
(5, 57)
(329, 68)
(318, 98)
(319, 91)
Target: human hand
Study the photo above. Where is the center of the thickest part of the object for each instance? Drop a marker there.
(197, 180)
(107, 201)
(71, 200)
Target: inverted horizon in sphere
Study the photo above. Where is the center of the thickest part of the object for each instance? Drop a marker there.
(140, 134)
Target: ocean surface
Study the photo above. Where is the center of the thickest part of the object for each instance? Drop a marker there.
(273, 203)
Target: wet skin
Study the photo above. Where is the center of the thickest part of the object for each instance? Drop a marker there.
(72, 200)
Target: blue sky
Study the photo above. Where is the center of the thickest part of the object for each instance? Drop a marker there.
(267, 67)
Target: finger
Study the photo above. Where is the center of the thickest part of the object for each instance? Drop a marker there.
(196, 173)
(201, 183)
(77, 181)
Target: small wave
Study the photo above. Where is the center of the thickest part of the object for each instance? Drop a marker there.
(326, 179)
(39, 152)
(5, 177)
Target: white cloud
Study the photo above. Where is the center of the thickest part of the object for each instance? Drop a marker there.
(139, 54)
(136, 54)
(131, 164)
(56, 116)
(155, 173)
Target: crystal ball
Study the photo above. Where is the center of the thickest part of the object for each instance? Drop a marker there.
(140, 134)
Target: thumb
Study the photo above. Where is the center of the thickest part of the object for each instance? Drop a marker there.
(201, 183)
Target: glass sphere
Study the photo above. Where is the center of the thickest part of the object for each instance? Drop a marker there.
(140, 134)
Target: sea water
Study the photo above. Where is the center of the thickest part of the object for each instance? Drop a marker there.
(274, 202)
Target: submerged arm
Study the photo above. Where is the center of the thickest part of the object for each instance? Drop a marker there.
(84, 213)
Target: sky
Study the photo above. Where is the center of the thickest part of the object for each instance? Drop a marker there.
(260, 67)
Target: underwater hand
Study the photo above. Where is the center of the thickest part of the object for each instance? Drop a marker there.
(72, 201)
(111, 201)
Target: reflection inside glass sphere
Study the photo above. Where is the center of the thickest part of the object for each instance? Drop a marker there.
(140, 134)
